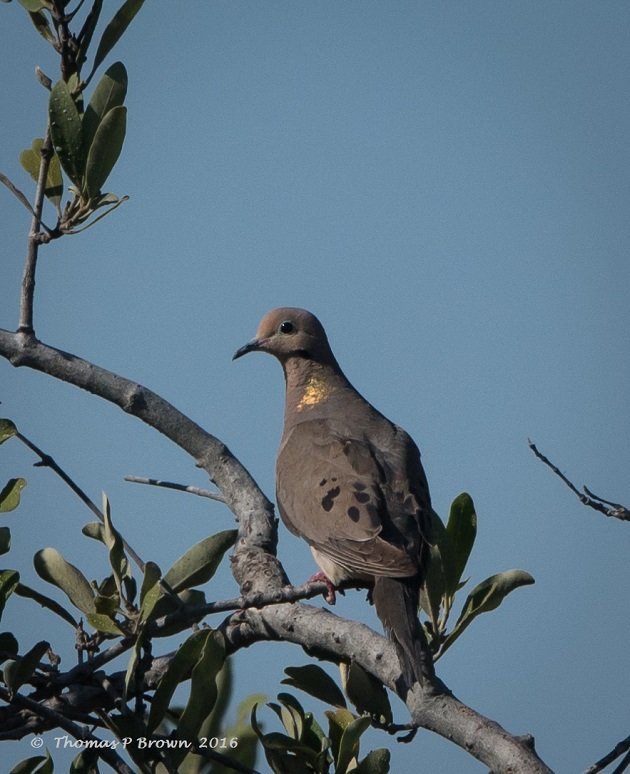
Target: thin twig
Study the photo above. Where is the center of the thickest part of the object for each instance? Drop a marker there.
(586, 497)
(19, 196)
(48, 462)
(179, 487)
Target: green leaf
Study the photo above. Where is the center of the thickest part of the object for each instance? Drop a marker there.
(9, 580)
(107, 605)
(203, 689)
(53, 568)
(291, 714)
(86, 762)
(29, 593)
(285, 754)
(94, 530)
(38, 764)
(114, 542)
(34, 5)
(65, 128)
(42, 26)
(434, 582)
(366, 693)
(200, 562)
(10, 495)
(17, 672)
(31, 160)
(312, 679)
(114, 30)
(7, 430)
(487, 596)
(131, 665)
(5, 540)
(105, 150)
(8, 646)
(109, 93)
(103, 623)
(375, 762)
(151, 590)
(178, 670)
(462, 530)
(338, 721)
(349, 745)
(254, 722)
(152, 575)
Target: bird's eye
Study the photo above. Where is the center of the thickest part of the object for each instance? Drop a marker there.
(286, 327)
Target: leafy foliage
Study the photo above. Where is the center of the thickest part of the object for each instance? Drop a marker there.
(304, 747)
(85, 144)
(448, 557)
(113, 609)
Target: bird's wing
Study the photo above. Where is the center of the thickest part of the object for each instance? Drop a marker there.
(350, 499)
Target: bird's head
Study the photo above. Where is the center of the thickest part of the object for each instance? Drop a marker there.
(290, 333)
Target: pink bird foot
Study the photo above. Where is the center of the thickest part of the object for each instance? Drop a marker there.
(330, 595)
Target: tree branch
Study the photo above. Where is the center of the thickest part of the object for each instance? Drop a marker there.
(196, 490)
(586, 497)
(258, 572)
(619, 749)
(35, 238)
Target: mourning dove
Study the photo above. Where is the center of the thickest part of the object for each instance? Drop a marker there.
(349, 481)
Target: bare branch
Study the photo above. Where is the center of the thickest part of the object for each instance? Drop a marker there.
(47, 461)
(18, 194)
(618, 750)
(586, 497)
(196, 490)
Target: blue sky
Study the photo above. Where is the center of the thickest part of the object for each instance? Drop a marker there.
(446, 185)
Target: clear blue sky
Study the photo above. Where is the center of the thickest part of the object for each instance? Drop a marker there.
(446, 185)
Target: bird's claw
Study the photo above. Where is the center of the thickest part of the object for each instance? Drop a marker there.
(330, 595)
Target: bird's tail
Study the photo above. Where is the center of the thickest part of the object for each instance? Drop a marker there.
(396, 603)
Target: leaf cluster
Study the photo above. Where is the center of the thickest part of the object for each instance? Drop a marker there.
(447, 559)
(82, 143)
(117, 607)
(303, 747)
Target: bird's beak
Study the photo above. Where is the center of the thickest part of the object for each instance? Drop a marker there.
(251, 346)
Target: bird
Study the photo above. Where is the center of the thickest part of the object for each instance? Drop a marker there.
(350, 483)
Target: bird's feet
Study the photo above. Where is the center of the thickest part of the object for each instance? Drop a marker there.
(330, 595)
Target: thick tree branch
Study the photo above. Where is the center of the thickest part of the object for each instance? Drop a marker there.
(258, 572)
(433, 706)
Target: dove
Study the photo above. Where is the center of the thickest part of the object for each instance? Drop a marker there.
(349, 482)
